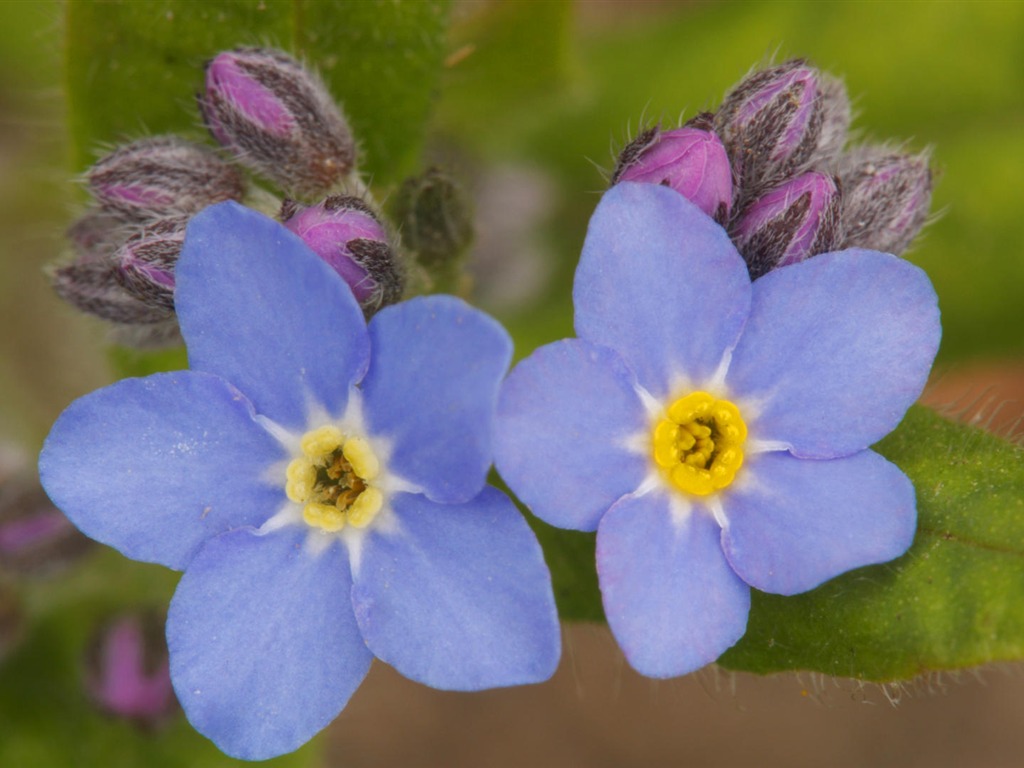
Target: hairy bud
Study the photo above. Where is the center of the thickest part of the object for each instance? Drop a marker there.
(162, 177)
(277, 118)
(128, 672)
(95, 288)
(797, 220)
(97, 234)
(346, 233)
(835, 119)
(778, 121)
(123, 273)
(691, 160)
(435, 217)
(146, 262)
(886, 198)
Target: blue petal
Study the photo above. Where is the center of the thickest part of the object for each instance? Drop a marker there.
(837, 348)
(260, 309)
(432, 389)
(670, 597)
(565, 417)
(265, 650)
(459, 596)
(795, 523)
(660, 283)
(156, 466)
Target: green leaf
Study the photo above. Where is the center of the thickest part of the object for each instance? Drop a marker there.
(133, 68)
(383, 60)
(956, 599)
(511, 60)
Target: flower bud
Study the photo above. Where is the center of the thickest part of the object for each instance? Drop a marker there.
(691, 160)
(146, 262)
(94, 287)
(278, 119)
(128, 672)
(345, 232)
(122, 277)
(835, 119)
(160, 177)
(776, 122)
(792, 222)
(97, 234)
(434, 216)
(35, 537)
(886, 198)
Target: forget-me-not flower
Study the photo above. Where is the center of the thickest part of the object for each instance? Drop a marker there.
(713, 431)
(321, 482)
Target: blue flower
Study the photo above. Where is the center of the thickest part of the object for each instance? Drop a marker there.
(322, 484)
(712, 431)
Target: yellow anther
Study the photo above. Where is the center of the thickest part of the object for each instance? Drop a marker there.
(297, 492)
(359, 454)
(302, 471)
(301, 476)
(324, 516)
(697, 429)
(331, 480)
(666, 455)
(681, 412)
(666, 431)
(685, 441)
(693, 480)
(365, 508)
(322, 441)
(699, 443)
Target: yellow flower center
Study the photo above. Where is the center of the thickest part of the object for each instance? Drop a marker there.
(699, 443)
(332, 479)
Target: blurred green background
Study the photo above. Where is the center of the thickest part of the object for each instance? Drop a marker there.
(531, 102)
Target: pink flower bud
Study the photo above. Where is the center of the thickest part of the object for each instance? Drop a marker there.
(160, 177)
(96, 235)
(345, 232)
(146, 262)
(691, 160)
(128, 672)
(277, 118)
(886, 198)
(790, 223)
(778, 121)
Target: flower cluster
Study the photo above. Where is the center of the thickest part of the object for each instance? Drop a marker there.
(273, 117)
(713, 431)
(319, 474)
(126, 243)
(770, 166)
(321, 482)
